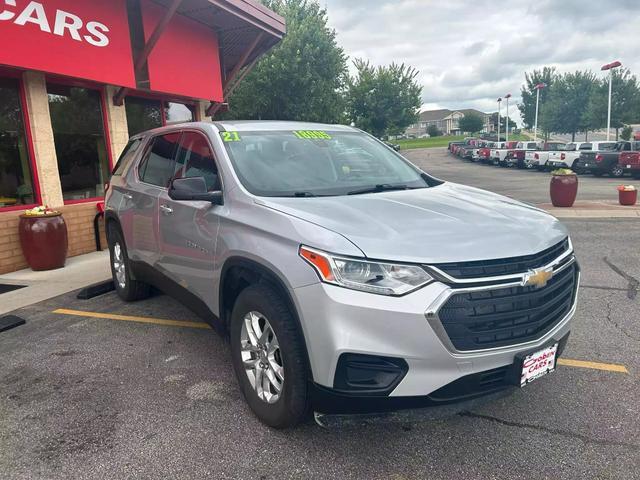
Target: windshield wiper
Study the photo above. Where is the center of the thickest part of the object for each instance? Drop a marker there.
(304, 194)
(382, 187)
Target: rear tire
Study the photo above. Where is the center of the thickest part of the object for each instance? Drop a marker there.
(616, 171)
(267, 345)
(127, 288)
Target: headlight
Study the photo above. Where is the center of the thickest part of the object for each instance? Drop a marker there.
(372, 277)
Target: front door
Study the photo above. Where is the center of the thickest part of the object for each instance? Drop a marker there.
(188, 229)
(139, 210)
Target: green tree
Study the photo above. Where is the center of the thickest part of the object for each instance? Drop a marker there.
(471, 123)
(433, 131)
(302, 78)
(626, 132)
(565, 108)
(383, 100)
(528, 93)
(625, 101)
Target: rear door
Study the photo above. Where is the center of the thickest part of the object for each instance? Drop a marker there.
(138, 211)
(188, 229)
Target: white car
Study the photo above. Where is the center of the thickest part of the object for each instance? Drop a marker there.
(538, 158)
(566, 158)
(499, 152)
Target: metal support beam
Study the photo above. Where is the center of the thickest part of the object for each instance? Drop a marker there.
(141, 60)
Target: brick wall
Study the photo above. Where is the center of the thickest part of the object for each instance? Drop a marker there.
(79, 220)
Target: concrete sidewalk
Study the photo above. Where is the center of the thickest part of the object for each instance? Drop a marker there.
(593, 209)
(79, 272)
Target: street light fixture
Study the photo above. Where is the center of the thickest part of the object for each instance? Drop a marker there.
(610, 67)
(538, 87)
(499, 100)
(507, 96)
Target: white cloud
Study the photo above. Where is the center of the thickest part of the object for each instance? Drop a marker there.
(470, 53)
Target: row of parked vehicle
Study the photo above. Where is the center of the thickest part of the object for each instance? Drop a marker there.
(597, 158)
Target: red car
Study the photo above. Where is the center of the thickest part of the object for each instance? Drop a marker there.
(630, 160)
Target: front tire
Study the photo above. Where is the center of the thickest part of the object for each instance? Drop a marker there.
(127, 288)
(268, 357)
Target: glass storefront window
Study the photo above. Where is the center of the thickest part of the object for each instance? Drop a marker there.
(78, 131)
(142, 114)
(16, 181)
(178, 113)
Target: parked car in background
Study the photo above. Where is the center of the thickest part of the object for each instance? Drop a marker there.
(484, 152)
(394, 146)
(629, 160)
(452, 146)
(538, 158)
(515, 156)
(566, 158)
(467, 152)
(603, 159)
(498, 154)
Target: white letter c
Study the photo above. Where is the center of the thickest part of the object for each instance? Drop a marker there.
(6, 15)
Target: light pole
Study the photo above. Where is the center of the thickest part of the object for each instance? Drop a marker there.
(499, 100)
(538, 87)
(610, 67)
(507, 96)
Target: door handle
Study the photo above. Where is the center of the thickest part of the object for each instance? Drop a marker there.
(166, 210)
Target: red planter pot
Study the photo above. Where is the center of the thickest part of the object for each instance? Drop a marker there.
(629, 197)
(44, 241)
(563, 190)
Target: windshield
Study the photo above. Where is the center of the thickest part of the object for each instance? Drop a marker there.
(314, 163)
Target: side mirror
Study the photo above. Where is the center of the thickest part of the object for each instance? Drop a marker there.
(194, 188)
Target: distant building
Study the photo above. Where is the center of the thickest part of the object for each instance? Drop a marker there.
(447, 121)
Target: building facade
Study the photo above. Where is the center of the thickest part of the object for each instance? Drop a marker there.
(446, 121)
(79, 78)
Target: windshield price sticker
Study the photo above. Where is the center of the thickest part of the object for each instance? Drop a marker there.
(230, 136)
(312, 134)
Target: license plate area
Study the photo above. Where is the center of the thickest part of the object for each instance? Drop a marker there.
(536, 364)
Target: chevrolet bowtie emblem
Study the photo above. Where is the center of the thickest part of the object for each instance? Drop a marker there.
(537, 278)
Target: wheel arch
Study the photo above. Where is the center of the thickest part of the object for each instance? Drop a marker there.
(238, 273)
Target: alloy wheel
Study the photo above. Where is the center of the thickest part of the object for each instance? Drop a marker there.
(119, 266)
(261, 357)
(617, 171)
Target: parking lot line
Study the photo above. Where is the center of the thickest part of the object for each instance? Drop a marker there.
(130, 318)
(609, 367)
(567, 362)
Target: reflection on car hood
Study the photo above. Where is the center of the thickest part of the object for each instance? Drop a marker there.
(445, 223)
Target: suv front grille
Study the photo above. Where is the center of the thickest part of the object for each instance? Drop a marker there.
(499, 317)
(503, 266)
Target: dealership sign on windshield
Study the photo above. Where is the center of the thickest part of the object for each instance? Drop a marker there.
(62, 36)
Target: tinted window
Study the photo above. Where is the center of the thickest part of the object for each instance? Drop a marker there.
(127, 155)
(157, 167)
(16, 184)
(607, 146)
(585, 146)
(195, 159)
(142, 114)
(78, 131)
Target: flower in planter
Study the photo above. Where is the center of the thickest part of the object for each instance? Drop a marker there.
(563, 171)
(626, 188)
(41, 211)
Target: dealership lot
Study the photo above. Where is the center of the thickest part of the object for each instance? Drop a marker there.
(103, 389)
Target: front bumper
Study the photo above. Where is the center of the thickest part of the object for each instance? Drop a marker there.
(336, 320)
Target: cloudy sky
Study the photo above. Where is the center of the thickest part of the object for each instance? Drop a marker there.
(471, 52)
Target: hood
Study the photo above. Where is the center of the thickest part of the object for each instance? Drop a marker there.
(445, 223)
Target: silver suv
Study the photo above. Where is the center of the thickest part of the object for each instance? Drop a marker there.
(347, 280)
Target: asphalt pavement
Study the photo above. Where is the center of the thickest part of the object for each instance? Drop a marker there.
(103, 389)
(525, 185)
